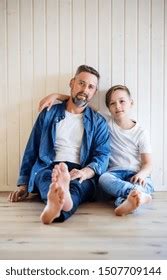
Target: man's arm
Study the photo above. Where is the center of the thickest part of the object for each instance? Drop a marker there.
(31, 152)
(82, 174)
(29, 158)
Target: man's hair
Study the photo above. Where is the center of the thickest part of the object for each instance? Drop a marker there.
(112, 89)
(89, 69)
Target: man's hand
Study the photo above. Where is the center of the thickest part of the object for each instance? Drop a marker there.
(82, 174)
(18, 195)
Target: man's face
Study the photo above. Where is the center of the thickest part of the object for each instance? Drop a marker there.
(83, 88)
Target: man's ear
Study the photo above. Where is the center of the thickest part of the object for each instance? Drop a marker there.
(71, 83)
(132, 102)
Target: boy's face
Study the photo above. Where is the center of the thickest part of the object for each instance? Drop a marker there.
(120, 104)
(83, 88)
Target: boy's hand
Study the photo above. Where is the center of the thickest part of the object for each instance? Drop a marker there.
(138, 179)
(47, 102)
(18, 195)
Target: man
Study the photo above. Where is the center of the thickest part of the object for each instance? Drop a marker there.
(67, 149)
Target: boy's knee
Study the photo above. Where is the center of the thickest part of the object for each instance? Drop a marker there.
(105, 178)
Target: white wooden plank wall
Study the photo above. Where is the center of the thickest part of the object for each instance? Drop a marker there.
(43, 41)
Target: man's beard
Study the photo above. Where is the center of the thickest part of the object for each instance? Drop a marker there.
(80, 100)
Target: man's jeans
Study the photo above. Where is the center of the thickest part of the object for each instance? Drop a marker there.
(80, 192)
(117, 184)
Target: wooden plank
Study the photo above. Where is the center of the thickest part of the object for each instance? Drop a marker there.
(26, 76)
(118, 41)
(39, 45)
(131, 50)
(143, 94)
(91, 21)
(157, 68)
(65, 46)
(52, 46)
(3, 95)
(104, 52)
(165, 104)
(88, 234)
(78, 33)
(13, 106)
(91, 43)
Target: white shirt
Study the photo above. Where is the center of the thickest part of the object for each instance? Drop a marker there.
(69, 133)
(126, 146)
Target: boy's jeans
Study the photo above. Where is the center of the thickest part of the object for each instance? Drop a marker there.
(117, 184)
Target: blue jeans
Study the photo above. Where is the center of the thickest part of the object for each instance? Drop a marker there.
(80, 192)
(117, 184)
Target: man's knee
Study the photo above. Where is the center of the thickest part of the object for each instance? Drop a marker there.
(42, 182)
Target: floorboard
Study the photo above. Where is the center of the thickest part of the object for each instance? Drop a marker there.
(93, 232)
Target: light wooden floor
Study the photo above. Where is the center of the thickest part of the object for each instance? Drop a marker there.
(94, 232)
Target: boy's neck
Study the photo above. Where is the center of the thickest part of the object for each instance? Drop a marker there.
(125, 123)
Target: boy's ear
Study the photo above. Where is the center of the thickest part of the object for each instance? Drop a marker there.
(71, 83)
(132, 102)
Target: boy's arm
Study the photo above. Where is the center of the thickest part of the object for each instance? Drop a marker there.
(145, 170)
(49, 100)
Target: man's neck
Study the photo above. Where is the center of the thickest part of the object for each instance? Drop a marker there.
(72, 108)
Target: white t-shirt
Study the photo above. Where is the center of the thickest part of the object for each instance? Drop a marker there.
(69, 133)
(126, 146)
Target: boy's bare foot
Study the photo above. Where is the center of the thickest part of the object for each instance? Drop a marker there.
(54, 205)
(61, 176)
(133, 201)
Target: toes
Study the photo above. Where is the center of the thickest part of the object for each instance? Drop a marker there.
(54, 174)
(52, 187)
(63, 167)
(133, 193)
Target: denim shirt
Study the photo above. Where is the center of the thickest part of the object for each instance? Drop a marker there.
(40, 152)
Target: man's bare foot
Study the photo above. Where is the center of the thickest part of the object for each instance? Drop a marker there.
(61, 176)
(54, 205)
(133, 201)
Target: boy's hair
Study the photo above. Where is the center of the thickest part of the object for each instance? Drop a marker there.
(112, 89)
(89, 69)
